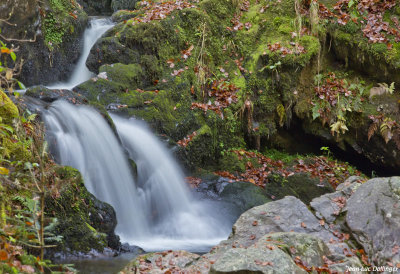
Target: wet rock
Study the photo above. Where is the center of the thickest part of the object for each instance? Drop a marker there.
(51, 95)
(374, 219)
(127, 248)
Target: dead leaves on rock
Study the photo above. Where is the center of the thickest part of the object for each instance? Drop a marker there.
(185, 141)
(223, 94)
(369, 14)
(297, 49)
(159, 10)
(317, 167)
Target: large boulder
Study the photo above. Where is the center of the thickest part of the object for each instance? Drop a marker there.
(285, 215)
(47, 35)
(373, 216)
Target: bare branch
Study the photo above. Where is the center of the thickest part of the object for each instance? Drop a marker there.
(18, 40)
(9, 17)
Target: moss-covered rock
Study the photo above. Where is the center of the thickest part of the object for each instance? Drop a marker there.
(300, 185)
(84, 222)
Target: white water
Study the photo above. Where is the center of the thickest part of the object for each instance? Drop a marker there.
(176, 219)
(157, 212)
(81, 73)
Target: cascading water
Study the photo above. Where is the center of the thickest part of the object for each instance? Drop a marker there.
(156, 212)
(176, 219)
(98, 26)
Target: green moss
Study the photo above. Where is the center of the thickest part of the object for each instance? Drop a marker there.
(8, 111)
(77, 212)
(15, 150)
(59, 21)
(129, 75)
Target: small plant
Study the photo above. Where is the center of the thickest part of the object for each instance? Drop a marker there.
(326, 151)
(388, 128)
(334, 99)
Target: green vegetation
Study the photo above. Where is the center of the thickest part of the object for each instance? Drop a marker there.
(59, 21)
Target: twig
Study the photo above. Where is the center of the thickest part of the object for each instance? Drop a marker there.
(19, 40)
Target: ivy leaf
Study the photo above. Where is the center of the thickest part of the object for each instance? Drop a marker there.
(21, 86)
(13, 56)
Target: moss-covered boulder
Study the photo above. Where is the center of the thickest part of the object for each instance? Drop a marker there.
(48, 36)
(243, 196)
(84, 222)
(300, 185)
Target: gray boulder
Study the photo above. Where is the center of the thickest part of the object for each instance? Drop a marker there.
(374, 219)
(258, 258)
(286, 215)
(331, 205)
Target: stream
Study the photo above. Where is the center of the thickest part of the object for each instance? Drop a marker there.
(155, 209)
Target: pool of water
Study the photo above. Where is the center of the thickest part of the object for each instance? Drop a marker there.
(108, 265)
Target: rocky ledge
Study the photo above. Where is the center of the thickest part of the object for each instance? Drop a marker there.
(357, 226)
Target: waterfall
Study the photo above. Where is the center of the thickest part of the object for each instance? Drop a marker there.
(97, 27)
(155, 212)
